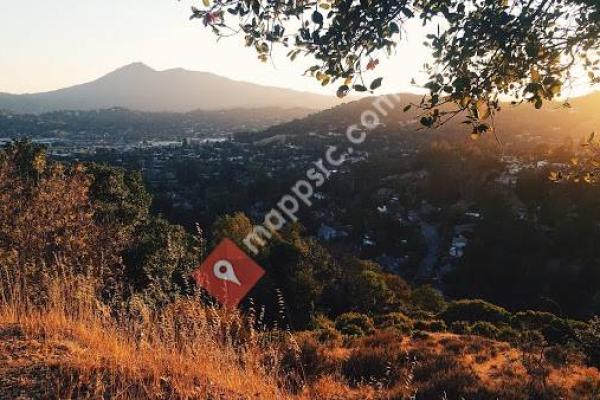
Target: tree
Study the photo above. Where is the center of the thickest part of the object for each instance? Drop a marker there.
(159, 261)
(234, 227)
(482, 49)
(48, 224)
(121, 200)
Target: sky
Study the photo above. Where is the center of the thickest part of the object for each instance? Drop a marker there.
(49, 45)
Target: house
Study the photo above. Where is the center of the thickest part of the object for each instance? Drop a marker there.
(382, 209)
(457, 248)
(328, 233)
(367, 241)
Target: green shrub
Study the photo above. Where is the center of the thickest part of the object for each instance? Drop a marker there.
(460, 327)
(589, 341)
(558, 331)
(429, 299)
(577, 325)
(328, 335)
(352, 330)
(474, 311)
(354, 324)
(555, 330)
(396, 320)
(532, 320)
(320, 321)
(420, 314)
(531, 338)
(486, 329)
(508, 334)
(435, 325)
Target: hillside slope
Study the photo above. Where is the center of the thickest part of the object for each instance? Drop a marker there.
(553, 120)
(54, 357)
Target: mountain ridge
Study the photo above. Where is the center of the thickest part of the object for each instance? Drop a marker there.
(139, 87)
(578, 119)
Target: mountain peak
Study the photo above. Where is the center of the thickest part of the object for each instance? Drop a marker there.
(135, 67)
(139, 87)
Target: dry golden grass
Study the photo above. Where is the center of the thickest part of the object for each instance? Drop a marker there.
(58, 341)
(185, 351)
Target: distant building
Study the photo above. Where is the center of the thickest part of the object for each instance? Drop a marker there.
(328, 233)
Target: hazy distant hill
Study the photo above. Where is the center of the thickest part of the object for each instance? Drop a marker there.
(139, 87)
(552, 120)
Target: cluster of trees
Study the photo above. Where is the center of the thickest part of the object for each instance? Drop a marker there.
(310, 280)
(96, 219)
(89, 219)
(545, 258)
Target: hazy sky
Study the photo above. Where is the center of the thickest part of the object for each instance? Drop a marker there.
(52, 44)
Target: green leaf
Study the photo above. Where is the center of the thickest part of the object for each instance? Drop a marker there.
(317, 18)
(360, 88)
(376, 83)
(256, 7)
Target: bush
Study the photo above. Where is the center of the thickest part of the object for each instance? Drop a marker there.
(577, 325)
(460, 327)
(368, 364)
(329, 335)
(532, 320)
(305, 357)
(486, 329)
(531, 339)
(429, 299)
(443, 377)
(397, 321)
(388, 339)
(556, 330)
(589, 340)
(474, 311)
(508, 334)
(320, 321)
(559, 331)
(435, 325)
(420, 314)
(354, 324)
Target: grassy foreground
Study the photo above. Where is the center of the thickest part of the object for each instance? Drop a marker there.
(72, 346)
(58, 341)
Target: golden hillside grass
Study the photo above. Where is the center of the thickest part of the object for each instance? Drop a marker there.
(58, 341)
(183, 351)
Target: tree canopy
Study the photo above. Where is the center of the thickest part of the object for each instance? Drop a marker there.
(482, 49)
